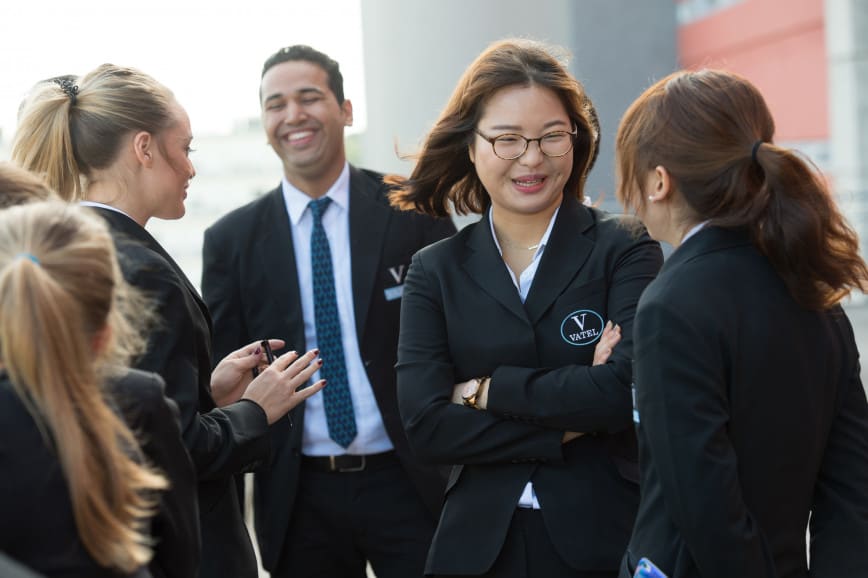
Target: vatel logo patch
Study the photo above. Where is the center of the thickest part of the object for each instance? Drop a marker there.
(582, 327)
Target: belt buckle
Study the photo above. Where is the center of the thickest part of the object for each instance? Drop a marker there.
(334, 467)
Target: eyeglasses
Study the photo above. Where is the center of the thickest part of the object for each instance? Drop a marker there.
(511, 146)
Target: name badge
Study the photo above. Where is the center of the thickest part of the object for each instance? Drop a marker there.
(393, 293)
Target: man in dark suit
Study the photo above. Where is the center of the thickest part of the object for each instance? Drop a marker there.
(320, 262)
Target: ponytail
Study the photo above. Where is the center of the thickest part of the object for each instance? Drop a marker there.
(803, 233)
(712, 131)
(71, 128)
(43, 142)
(57, 279)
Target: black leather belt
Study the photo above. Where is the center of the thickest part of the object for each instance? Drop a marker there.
(346, 462)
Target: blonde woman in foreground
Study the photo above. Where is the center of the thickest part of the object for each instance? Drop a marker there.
(119, 141)
(75, 492)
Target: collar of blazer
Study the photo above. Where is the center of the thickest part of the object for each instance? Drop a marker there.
(568, 247)
(708, 240)
(121, 223)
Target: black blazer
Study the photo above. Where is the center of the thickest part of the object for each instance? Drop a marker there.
(10, 568)
(752, 418)
(38, 527)
(221, 441)
(461, 318)
(155, 420)
(249, 281)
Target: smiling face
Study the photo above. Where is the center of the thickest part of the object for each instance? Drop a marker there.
(305, 124)
(533, 184)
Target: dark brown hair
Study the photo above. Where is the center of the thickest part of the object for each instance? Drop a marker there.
(703, 128)
(443, 171)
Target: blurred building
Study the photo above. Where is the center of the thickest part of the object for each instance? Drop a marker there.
(809, 57)
(810, 60)
(231, 170)
(416, 51)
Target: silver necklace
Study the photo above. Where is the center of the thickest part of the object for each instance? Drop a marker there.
(509, 243)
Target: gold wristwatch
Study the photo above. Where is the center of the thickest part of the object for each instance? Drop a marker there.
(471, 392)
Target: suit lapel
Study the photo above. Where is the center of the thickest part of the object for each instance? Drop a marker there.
(566, 252)
(485, 266)
(133, 230)
(369, 219)
(708, 239)
(274, 252)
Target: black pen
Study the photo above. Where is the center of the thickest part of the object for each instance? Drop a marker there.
(269, 355)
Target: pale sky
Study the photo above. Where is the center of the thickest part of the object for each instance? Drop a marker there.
(209, 54)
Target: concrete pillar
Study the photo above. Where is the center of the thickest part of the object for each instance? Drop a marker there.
(847, 48)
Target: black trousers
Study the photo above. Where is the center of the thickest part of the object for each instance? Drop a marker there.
(342, 520)
(529, 553)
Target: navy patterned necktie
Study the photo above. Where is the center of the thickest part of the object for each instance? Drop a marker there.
(338, 403)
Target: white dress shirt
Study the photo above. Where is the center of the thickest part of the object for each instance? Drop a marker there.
(372, 437)
(522, 284)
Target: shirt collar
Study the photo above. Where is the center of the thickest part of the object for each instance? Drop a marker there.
(693, 231)
(297, 201)
(542, 242)
(103, 206)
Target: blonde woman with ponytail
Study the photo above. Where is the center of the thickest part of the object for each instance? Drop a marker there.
(752, 418)
(119, 141)
(75, 492)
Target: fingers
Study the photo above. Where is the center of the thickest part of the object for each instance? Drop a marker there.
(611, 334)
(309, 391)
(303, 368)
(608, 340)
(255, 347)
(284, 361)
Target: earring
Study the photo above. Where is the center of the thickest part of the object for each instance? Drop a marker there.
(650, 198)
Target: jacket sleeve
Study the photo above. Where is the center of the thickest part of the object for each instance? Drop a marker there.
(438, 430)
(584, 398)
(175, 527)
(839, 517)
(684, 410)
(222, 441)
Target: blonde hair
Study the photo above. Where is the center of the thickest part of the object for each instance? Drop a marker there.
(67, 131)
(19, 186)
(61, 288)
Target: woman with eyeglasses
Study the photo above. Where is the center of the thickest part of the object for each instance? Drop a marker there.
(514, 357)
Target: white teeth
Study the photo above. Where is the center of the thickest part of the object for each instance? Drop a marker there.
(300, 135)
(528, 183)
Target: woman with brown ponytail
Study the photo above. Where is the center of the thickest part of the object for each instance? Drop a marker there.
(752, 419)
(75, 493)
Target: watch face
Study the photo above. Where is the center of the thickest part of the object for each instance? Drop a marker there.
(470, 389)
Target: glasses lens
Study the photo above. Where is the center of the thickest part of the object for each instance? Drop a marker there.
(509, 146)
(556, 144)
